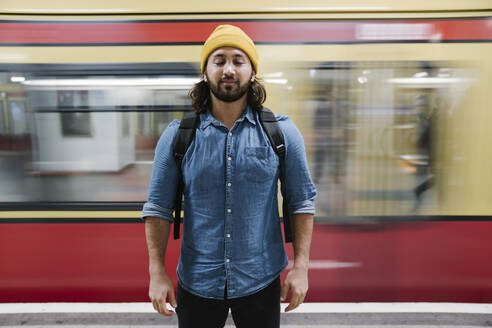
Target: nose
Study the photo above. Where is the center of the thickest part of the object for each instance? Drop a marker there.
(229, 69)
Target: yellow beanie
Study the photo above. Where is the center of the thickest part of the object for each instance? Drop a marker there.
(229, 36)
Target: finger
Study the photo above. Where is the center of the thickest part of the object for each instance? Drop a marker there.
(290, 307)
(285, 291)
(155, 305)
(172, 298)
(303, 296)
(294, 302)
(164, 309)
(298, 301)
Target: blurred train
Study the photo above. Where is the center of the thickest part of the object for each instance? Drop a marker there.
(392, 98)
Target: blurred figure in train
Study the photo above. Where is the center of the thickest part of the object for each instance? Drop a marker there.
(428, 104)
(426, 123)
(331, 134)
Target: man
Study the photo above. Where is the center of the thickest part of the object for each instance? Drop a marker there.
(232, 251)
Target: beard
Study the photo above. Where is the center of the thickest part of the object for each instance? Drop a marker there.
(228, 93)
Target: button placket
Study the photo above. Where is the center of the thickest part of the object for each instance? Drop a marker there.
(228, 203)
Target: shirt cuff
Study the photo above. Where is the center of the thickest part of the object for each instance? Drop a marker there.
(150, 209)
(305, 207)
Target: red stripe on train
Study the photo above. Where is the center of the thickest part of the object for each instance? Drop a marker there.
(372, 262)
(162, 32)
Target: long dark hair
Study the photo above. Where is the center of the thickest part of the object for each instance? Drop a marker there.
(200, 96)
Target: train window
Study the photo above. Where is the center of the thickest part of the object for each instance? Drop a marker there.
(382, 138)
(73, 124)
(144, 124)
(125, 124)
(76, 124)
(94, 129)
(378, 135)
(18, 117)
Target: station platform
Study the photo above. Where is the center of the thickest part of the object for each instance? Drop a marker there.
(308, 315)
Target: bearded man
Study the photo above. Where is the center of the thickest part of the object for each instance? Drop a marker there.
(232, 252)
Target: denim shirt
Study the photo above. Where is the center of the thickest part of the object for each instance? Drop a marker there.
(231, 226)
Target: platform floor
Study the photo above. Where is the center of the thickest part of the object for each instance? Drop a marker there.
(309, 315)
(288, 320)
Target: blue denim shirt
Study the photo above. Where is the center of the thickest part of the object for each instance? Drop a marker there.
(231, 226)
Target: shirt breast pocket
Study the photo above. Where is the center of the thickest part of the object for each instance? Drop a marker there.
(261, 164)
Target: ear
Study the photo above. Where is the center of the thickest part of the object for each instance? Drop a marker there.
(253, 77)
(205, 77)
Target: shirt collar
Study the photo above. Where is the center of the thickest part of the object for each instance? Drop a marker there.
(206, 118)
(249, 115)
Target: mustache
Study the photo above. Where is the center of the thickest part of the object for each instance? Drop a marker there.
(229, 80)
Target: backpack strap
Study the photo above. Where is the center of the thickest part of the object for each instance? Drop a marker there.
(185, 135)
(276, 137)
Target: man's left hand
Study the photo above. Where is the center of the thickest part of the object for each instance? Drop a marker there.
(296, 282)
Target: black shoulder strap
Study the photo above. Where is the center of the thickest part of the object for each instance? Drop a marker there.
(183, 139)
(276, 137)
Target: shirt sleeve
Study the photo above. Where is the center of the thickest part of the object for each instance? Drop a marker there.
(163, 183)
(299, 188)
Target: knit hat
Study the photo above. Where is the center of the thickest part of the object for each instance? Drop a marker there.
(229, 36)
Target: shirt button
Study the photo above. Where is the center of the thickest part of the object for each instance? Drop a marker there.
(229, 184)
(230, 134)
(228, 235)
(229, 158)
(229, 210)
(228, 260)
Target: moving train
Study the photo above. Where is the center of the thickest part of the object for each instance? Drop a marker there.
(392, 99)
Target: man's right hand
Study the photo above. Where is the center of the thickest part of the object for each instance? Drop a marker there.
(160, 289)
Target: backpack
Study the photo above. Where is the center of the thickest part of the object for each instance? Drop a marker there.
(185, 135)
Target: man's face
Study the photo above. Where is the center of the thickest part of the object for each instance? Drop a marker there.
(228, 73)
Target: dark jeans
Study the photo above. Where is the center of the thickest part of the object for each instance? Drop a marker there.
(258, 310)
